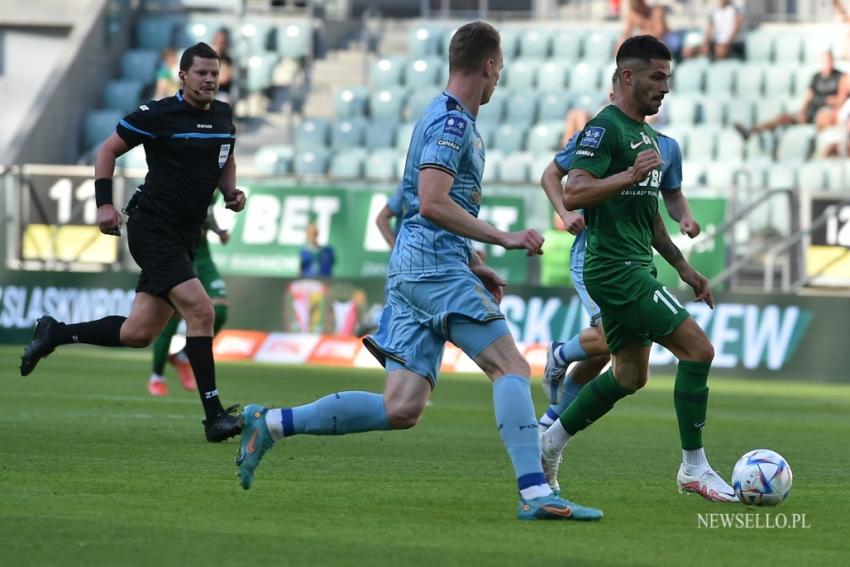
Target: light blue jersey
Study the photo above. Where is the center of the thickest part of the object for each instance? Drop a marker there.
(671, 182)
(445, 138)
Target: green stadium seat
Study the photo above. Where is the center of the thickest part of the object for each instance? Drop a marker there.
(720, 77)
(702, 143)
(260, 71)
(351, 102)
(419, 101)
(347, 134)
(381, 134)
(713, 110)
(566, 45)
(598, 46)
(789, 49)
(779, 80)
(515, 168)
(294, 39)
(545, 137)
(403, 135)
(140, 64)
(509, 138)
(521, 108)
(253, 38)
(749, 81)
(730, 146)
(584, 78)
(348, 163)
(383, 164)
(535, 43)
(387, 72)
(156, 32)
(553, 106)
(423, 73)
(682, 109)
(493, 111)
(689, 76)
(423, 40)
(122, 94)
(552, 76)
(312, 133)
(386, 104)
(274, 160)
(796, 143)
(759, 46)
(521, 74)
(99, 125)
(312, 161)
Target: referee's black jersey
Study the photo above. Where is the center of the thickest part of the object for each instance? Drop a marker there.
(186, 149)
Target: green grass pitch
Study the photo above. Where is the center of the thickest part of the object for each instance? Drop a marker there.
(93, 471)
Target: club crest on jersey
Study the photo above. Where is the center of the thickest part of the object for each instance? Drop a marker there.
(592, 136)
(455, 126)
(475, 196)
(223, 152)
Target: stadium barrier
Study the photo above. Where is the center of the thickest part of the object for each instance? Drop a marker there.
(313, 321)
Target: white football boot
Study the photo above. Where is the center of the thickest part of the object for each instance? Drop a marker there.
(551, 458)
(553, 374)
(707, 484)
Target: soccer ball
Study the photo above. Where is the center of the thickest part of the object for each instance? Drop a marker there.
(762, 478)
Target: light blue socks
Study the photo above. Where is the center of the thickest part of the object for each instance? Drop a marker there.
(570, 351)
(518, 428)
(337, 414)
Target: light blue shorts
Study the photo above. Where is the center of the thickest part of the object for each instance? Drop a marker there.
(421, 315)
(590, 306)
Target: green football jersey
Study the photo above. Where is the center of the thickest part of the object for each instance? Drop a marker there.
(620, 230)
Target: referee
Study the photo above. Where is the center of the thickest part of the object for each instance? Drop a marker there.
(188, 140)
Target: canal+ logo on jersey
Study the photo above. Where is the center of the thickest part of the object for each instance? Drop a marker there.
(592, 136)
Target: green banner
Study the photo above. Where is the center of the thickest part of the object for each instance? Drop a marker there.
(267, 236)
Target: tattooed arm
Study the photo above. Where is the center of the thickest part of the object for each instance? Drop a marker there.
(664, 245)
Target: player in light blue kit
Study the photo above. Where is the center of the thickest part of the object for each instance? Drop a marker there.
(438, 290)
(589, 348)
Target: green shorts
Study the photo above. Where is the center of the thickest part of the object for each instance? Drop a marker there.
(636, 308)
(208, 273)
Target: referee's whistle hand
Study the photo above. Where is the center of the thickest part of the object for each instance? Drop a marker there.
(108, 220)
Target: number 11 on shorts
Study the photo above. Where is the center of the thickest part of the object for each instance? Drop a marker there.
(667, 298)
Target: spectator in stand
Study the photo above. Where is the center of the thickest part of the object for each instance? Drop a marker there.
(640, 18)
(723, 38)
(221, 43)
(317, 261)
(167, 82)
(827, 92)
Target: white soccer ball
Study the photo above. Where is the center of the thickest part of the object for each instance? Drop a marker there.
(762, 478)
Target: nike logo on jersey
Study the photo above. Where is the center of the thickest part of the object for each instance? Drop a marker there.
(636, 144)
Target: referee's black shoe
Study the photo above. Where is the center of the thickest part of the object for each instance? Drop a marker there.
(40, 346)
(226, 424)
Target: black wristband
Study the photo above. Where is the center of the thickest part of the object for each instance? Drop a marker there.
(103, 191)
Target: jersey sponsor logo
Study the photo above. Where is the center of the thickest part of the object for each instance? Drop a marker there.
(592, 136)
(586, 153)
(455, 125)
(449, 144)
(223, 152)
(203, 126)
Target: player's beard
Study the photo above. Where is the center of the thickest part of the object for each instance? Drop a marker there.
(643, 97)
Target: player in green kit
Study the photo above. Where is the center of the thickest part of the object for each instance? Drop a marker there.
(615, 176)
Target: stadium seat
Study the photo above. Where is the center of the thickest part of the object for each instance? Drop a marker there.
(99, 125)
(749, 81)
(419, 101)
(702, 143)
(274, 160)
(720, 176)
(140, 64)
(348, 163)
(347, 134)
(493, 111)
(122, 94)
(789, 49)
(814, 46)
(553, 106)
(351, 102)
(487, 131)
(838, 176)
(720, 77)
(813, 176)
(535, 43)
(446, 40)
(713, 110)
(510, 38)
(752, 175)
(312, 161)
(779, 80)
(678, 133)
(803, 78)
(491, 166)
(693, 174)
(133, 159)
(730, 146)
(783, 175)
(521, 108)
(403, 135)
(796, 143)
(156, 32)
(387, 72)
(769, 108)
(423, 40)
(294, 39)
(539, 163)
(591, 102)
(260, 71)
(515, 168)
(689, 76)
(598, 46)
(254, 38)
(545, 137)
(759, 46)
(836, 135)
(312, 133)
(584, 78)
(381, 134)
(552, 76)
(509, 138)
(196, 30)
(566, 45)
(423, 73)
(386, 104)
(760, 146)
(683, 109)
(521, 74)
(382, 164)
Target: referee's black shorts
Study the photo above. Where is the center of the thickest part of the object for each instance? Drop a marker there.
(163, 251)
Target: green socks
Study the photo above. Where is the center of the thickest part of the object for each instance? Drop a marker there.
(160, 346)
(593, 401)
(690, 396)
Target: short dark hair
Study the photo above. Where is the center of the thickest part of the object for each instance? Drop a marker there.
(472, 44)
(643, 47)
(201, 50)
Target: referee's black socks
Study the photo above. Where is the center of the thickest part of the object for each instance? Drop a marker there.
(199, 351)
(103, 332)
